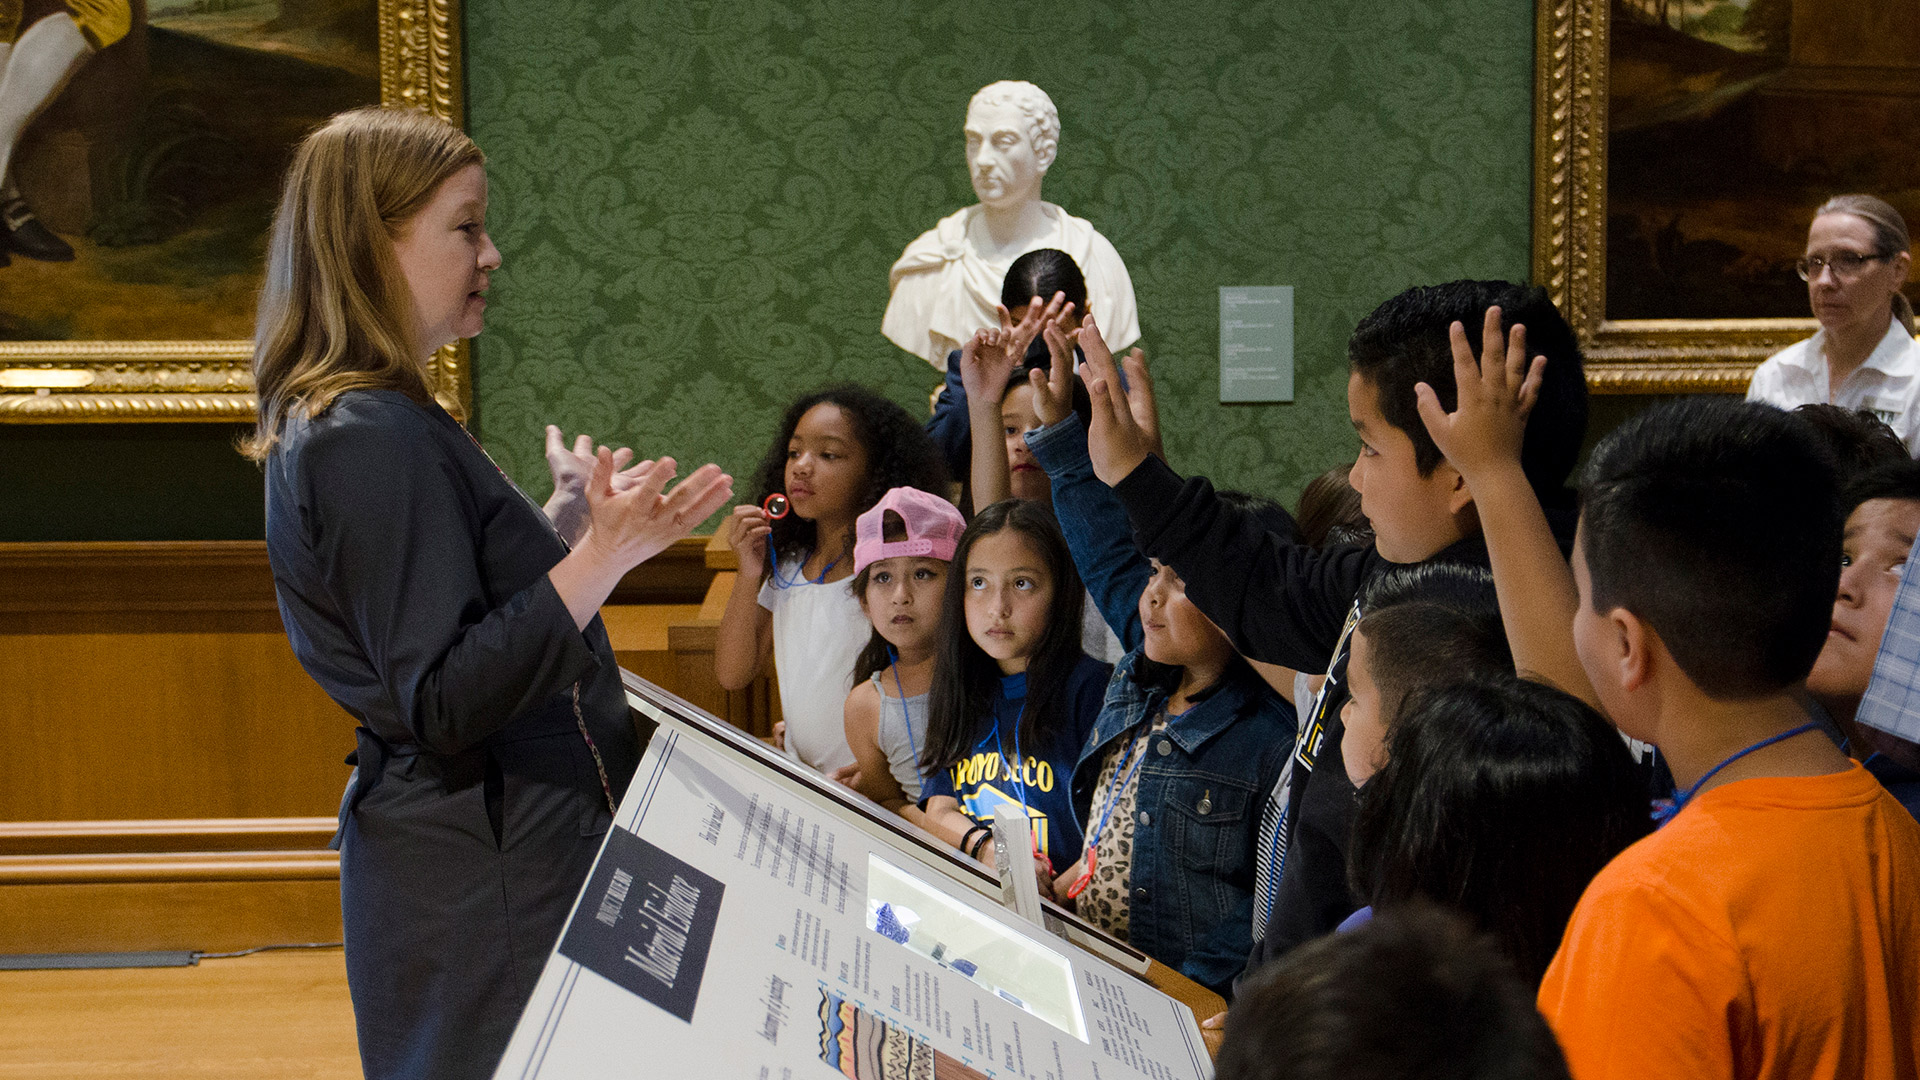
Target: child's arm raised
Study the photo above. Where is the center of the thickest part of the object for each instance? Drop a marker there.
(745, 639)
(875, 777)
(1279, 600)
(986, 363)
(1093, 521)
(1482, 438)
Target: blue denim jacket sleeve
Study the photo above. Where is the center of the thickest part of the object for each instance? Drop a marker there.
(948, 425)
(1096, 527)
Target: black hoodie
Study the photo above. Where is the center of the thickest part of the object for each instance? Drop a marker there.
(1283, 602)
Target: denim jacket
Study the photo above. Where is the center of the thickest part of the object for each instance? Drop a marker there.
(1206, 776)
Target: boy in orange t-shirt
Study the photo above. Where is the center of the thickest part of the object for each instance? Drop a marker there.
(1772, 927)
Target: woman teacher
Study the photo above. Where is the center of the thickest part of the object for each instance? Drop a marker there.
(1864, 356)
(433, 600)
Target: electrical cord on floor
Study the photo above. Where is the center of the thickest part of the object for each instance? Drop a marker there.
(266, 948)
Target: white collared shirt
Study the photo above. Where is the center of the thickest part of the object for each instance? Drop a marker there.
(1886, 385)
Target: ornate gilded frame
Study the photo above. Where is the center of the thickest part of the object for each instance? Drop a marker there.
(109, 381)
(1624, 356)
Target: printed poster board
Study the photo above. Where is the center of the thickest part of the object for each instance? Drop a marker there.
(747, 918)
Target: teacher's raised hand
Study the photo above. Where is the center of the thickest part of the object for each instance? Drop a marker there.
(630, 524)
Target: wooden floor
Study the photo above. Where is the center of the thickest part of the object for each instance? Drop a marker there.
(274, 1015)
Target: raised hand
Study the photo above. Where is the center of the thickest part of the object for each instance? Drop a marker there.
(1141, 402)
(1115, 439)
(987, 362)
(1482, 438)
(633, 525)
(1494, 397)
(571, 469)
(747, 531)
(1053, 388)
(1054, 312)
(630, 524)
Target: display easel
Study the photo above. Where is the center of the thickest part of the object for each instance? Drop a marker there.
(749, 917)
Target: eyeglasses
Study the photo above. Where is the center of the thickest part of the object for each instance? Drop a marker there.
(1846, 265)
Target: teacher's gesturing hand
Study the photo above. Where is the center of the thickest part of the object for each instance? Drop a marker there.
(626, 528)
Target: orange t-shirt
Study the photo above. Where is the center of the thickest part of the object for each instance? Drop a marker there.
(1771, 929)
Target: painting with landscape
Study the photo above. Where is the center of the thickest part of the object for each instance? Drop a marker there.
(1729, 121)
(138, 197)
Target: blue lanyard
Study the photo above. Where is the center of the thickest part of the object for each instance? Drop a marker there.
(1019, 785)
(893, 661)
(799, 575)
(1121, 782)
(1664, 814)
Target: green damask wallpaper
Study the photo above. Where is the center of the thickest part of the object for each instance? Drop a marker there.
(698, 202)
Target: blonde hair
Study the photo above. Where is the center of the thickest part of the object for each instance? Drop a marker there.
(335, 311)
(1889, 237)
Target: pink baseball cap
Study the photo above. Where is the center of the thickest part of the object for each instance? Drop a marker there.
(933, 528)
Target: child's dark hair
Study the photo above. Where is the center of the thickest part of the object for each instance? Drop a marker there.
(1857, 439)
(1043, 272)
(1717, 523)
(1888, 480)
(965, 677)
(1165, 678)
(1431, 624)
(1268, 512)
(1329, 512)
(1501, 798)
(1416, 992)
(1404, 341)
(899, 454)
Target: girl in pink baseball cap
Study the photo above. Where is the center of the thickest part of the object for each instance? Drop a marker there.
(901, 551)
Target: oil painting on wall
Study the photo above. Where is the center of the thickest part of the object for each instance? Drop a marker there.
(137, 201)
(1729, 121)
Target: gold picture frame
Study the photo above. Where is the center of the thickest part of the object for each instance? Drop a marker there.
(203, 381)
(1624, 356)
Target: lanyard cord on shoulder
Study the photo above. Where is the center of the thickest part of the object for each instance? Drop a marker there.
(1014, 771)
(1120, 784)
(800, 573)
(1665, 813)
(906, 714)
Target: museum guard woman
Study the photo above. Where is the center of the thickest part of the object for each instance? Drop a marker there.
(433, 600)
(1864, 356)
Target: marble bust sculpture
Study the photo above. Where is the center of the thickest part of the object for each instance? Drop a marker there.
(947, 283)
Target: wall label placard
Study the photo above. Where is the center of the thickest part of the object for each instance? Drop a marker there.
(1256, 343)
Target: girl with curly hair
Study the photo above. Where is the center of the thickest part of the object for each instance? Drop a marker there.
(837, 452)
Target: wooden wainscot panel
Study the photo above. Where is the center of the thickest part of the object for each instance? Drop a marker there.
(173, 773)
(137, 915)
(154, 680)
(691, 643)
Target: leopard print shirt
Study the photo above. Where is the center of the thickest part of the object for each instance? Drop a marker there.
(1104, 903)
